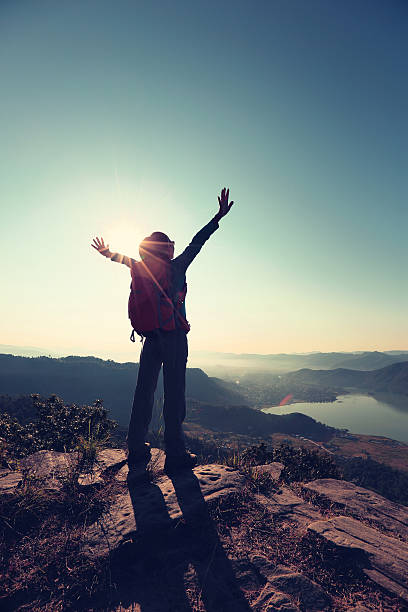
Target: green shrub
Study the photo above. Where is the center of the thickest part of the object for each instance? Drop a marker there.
(300, 464)
(57, 427)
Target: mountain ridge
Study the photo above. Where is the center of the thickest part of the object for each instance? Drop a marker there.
(84, 379)
(270, 361)
(392, 378)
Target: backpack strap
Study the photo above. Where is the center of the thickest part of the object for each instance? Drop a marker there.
(162, 291)
(132, 336)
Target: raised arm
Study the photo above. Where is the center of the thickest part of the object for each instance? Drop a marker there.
(103, 249)
(225, 207)
(190, 252)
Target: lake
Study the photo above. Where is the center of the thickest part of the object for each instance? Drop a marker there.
(381, 415)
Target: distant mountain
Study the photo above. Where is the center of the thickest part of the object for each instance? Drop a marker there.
(391, 379)
(373, 360)
(223, 363)
(26, 351)
(84, 379)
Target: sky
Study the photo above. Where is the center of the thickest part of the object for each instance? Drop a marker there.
(119, 118)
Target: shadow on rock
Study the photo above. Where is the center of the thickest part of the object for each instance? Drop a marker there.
(173, 565)
(218, 585)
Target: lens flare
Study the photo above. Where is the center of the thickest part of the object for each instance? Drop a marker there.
(286, 399)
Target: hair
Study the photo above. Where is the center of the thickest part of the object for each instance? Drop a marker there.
(155, 245)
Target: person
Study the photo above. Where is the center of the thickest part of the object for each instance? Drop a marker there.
(165, 343)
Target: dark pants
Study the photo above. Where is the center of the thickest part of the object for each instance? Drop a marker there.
(170, 349)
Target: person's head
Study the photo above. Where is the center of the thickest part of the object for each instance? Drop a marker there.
(157, 245)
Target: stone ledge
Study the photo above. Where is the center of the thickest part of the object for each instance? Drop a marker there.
(360, 502)
(151, 507)
(386, 558)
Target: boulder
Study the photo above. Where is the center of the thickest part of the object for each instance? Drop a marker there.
(389, 516)
(310, 595)
(49, 466)
(246, 575)
(10, 481)
(89, 479)
(284, 502)
(151, 508)
(283, 582)
(271, 600)
(266, 567)
(107, 460)
(384, 558)
(273, 469)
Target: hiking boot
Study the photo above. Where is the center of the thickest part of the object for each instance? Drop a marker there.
(177, 463)
(138, 475)
(139, 456)
(137, 464)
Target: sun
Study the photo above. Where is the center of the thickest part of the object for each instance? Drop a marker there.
(124, 237)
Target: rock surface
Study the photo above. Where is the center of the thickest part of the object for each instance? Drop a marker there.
(271, 600)
(362, 503)
(153, 507)
(156, 465)
(49, 466)
(274, 469)
(310, 595)
(107, 460)
(165, 526)
(285, 587)
(10, 481)
(385, 559)
(285, 502)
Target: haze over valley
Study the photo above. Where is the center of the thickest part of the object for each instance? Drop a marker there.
(275, 391)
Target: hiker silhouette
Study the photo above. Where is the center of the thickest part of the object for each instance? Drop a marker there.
(157, 313)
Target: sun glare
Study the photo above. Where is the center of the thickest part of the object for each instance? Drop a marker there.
(124, 238)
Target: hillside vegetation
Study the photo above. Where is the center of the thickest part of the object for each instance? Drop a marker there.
(82, 379)
(244, 420)
(391, 379)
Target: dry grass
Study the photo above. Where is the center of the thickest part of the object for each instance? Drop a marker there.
(46, 572)
(378, 448)
(41, 541)
(247, 529)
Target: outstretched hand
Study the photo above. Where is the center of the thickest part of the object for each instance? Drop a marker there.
(225, 207)
(101, 247)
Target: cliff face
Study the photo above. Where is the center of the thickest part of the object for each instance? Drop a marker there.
(215, 538)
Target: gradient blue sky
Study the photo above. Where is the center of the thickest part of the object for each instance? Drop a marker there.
(121, 118)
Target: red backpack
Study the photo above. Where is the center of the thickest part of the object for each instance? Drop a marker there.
(150, 306)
